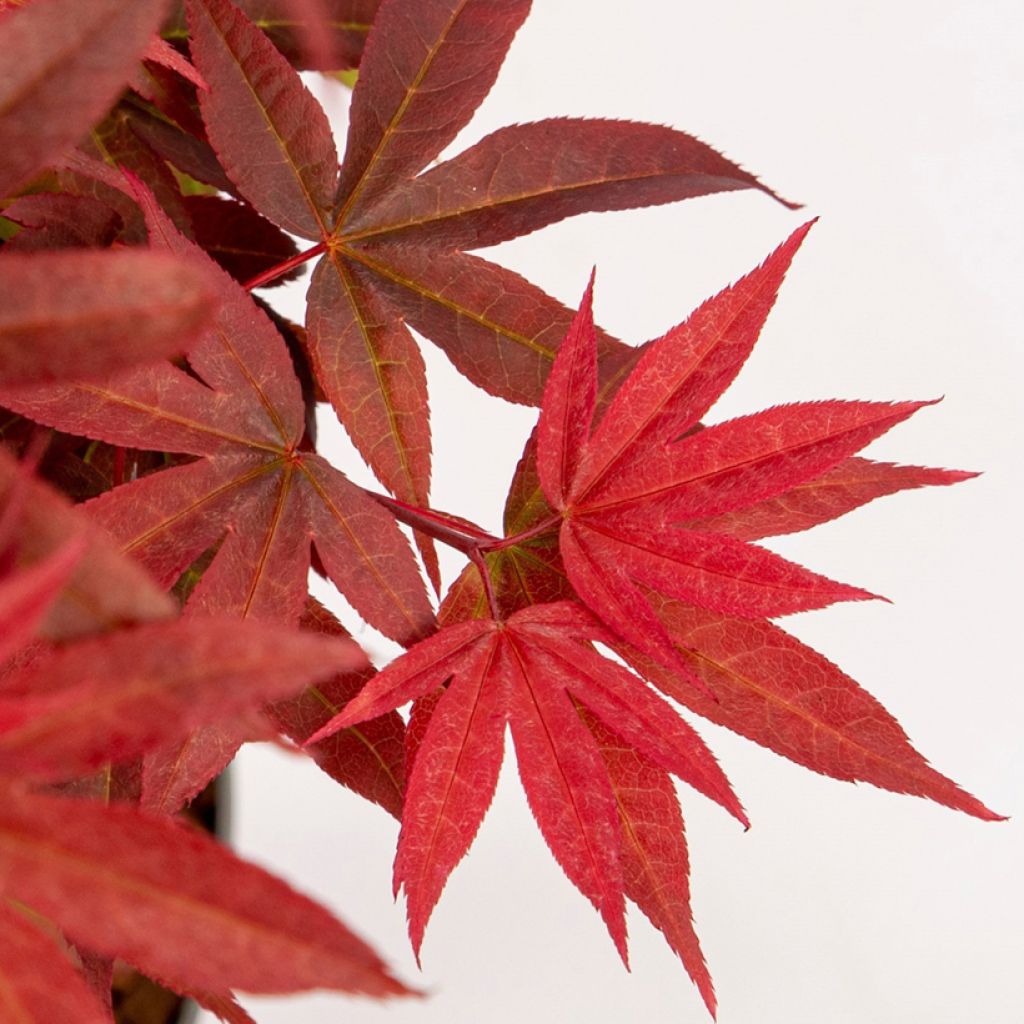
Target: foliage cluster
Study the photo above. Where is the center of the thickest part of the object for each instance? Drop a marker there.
(157, 163)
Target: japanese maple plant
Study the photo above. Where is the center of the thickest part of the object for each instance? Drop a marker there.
(164, 498)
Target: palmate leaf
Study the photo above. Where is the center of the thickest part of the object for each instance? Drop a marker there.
(394, 241)
(647, 476)
(255, 497)
(527, 671)
(253, 491)
(623, 489)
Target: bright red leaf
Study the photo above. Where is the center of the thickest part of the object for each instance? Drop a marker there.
(623, 490)
(527, 672)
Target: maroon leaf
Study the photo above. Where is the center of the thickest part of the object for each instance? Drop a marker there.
(161, 52)
(367, 758)
(84, 314)
(271, 136)
(51, 221)
(238, 238)
(373, 374)
(526, 176)
(426, 68)
(62, 64)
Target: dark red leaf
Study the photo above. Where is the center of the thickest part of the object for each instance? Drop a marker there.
(271, 136)
(373, 374)
(62, 65)
(526, 176)
(367, 758)
(113, 698)
(427, 66)
(238, 238)
(50, 221)
(83, 314)
(161, 52)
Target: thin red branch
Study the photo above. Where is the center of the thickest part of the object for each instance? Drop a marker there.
(280, 269)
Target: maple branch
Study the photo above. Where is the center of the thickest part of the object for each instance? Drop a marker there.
(282, 268)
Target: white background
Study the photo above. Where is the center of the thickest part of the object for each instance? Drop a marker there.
(900, 124)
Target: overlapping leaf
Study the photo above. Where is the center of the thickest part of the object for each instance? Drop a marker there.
(526, 672)
(63, 576)
(173, 902)
(83, 314)
(62, 64)
(584, 496)
(254, 492)
(112, 698)
(368, 758)
(394, 240)
(327, 35)
(766, 685)
(38, 982)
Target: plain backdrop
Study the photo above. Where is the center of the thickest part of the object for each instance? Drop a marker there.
(899, 123)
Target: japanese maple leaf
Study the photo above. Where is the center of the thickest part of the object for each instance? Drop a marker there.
(102, 874)
(252, 494)
(625, 488)
(393, 241)
(534, 672)
(650, 466)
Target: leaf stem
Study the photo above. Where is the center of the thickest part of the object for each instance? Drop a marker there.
(280, 269)
(476, 556)
(524, 536)
(456, 533)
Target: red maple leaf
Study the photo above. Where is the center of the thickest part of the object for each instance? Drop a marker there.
(394, 242)
(645, 517)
